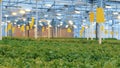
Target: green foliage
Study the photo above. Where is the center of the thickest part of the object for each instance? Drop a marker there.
(58, 53)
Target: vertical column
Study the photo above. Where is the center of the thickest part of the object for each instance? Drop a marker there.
(118, 31)
(6, 27)
(60, 32)
(48, 31)
(100, 37)
(91, 30)
(56, 31)
(0, 20)
(36, 23)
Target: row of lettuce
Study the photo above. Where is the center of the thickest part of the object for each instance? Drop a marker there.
(58, 53)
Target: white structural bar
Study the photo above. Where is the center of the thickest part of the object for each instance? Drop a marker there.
(36, 23)
(0, 20)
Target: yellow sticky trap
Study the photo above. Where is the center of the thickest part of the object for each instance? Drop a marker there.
(13, 29)
(9, 26)
(27, 27)
(6, 30)
(32, 23)
(69, 30)
(91, 16)
(111, 32)
(81, 32)
(116, 33)
(83, 28)
(100, 15)
(102, 28)
(43, 29)
(22, 28)
(106, 31)
(31, 26)
(0, 1)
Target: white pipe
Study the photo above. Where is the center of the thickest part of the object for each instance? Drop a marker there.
(91, 28)
(87, 34)
(100, 38)
(56, 31)
(36, 20)
(60, 32)
(6, 27)
(0, 21)
(48, 31)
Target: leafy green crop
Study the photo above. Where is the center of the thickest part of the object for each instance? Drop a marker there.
(59, 53)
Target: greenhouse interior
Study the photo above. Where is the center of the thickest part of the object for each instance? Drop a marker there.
(59, 34)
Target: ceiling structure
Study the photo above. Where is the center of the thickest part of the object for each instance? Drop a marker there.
(58, 10)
